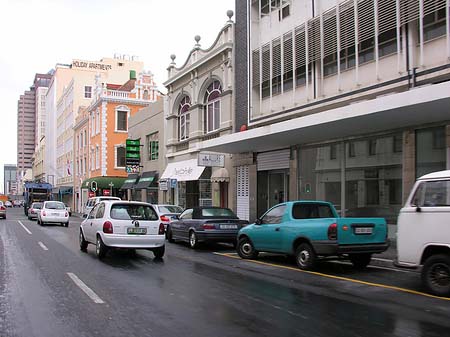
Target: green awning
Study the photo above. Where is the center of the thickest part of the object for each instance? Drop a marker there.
(130, 181)
(104, 182)
(146, 179)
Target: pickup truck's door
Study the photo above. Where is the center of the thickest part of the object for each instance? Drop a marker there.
(267, 235)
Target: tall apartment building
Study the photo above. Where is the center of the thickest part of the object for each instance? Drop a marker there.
(339, 100)
(41, 83)
(25, 130)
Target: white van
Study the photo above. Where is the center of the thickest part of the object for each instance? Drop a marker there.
(423, 234)
(94, 201)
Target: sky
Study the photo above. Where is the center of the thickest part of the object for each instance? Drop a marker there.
(37, 34)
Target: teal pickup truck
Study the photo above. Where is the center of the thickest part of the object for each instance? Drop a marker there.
(312, 229)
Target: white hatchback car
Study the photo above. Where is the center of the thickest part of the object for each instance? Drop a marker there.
(122, 224)
(53, 212)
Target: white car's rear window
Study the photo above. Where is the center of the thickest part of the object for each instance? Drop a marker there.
(132, 212)
(54, 205)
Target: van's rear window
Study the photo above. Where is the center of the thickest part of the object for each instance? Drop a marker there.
(132, 212)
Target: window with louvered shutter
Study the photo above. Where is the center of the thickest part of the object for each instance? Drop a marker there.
(434, 20)
(409, 11)
(387, 15)
(300, 56)
(276, 66)
(255, 68)
(288, 67)
(266, 70)
(366, 19)
(314, 39)
(347, 24)
(329, 32)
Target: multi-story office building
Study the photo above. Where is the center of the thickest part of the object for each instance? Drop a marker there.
(345, 101)
(25, 130)
(199, 106)
(9, 179)
(70, 88)
(109, 112)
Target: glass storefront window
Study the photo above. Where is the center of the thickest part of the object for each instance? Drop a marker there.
(152, 195)
(373, 178)
(430, 150)
(320, 174)
(272, 189)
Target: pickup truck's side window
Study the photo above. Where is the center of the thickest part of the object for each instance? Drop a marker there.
(311, 211)
(274, 216)
(432, 194)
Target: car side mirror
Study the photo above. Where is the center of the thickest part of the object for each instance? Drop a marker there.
(258, 222)
(418, 209)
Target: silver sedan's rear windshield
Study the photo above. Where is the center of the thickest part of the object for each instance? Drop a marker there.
(170, 209)
(132, 212)
(54, 205)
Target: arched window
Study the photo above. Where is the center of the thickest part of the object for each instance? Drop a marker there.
(146, 95)
(184, 117)
(212, 110)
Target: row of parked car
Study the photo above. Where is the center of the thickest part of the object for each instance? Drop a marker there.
(306, 230)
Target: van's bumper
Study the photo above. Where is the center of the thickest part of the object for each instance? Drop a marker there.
(333, 248)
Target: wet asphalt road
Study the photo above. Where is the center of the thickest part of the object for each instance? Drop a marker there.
(208, 292)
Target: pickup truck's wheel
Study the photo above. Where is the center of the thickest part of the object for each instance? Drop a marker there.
(436, 275)
(305, 256)
(360, 261)
(246, 250)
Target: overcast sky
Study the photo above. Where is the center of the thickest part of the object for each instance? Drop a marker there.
(35, 35)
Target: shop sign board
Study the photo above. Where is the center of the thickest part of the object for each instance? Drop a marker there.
(211, 159)
(163, 184)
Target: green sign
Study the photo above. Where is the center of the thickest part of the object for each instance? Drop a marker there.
(133, 142)
(133, 152)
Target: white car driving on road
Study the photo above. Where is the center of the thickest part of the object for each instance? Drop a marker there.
(122, 224)
(53, 212)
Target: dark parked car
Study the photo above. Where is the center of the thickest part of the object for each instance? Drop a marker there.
(203, 224)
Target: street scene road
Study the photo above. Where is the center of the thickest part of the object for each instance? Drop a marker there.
(48, 287)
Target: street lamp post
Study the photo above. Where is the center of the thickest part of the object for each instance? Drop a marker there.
(111, 185)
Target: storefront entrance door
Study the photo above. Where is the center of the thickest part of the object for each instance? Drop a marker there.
(272, 189)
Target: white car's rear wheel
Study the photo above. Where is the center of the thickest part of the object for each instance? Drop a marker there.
(100, 249)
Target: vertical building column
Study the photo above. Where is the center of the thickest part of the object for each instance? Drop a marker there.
(447, 137)
(293, 174)
(409, 162)
(253, 191)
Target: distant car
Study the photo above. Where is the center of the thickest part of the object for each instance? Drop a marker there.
(8, 204)
(17, 203)
(122, 224)
(205, 224)
(68, 209)
(34, 209)
(94, 201)
(168, 213)
(2, 210)
(53, 212)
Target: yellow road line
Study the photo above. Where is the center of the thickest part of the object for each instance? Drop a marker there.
(339, 277)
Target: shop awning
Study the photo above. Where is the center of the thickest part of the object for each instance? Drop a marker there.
(146, 179)
(220, 175)
(185, 170)
(62, 190)
(104, 182)
(130, 181)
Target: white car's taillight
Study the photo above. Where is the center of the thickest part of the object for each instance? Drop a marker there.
(107, 227)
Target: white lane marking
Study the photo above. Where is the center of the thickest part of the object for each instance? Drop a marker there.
(26, 229)
(42, 245)
(88, 291)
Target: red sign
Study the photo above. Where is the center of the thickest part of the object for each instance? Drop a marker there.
(91, 194)
(106, 192)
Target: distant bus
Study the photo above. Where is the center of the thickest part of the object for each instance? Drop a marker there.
(35, 192)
